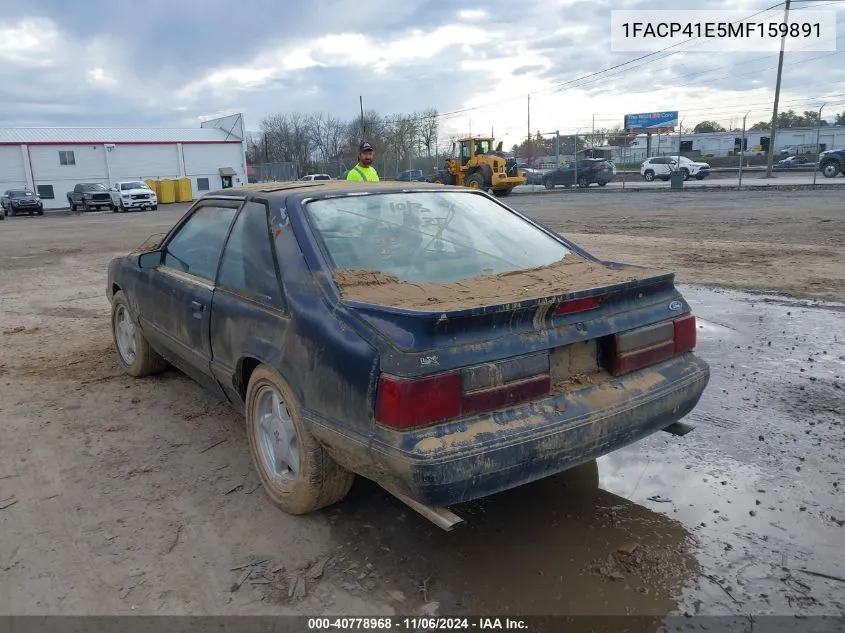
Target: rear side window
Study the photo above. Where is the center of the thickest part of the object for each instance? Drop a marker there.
(197, 245)
(247, 266)
(441, 236)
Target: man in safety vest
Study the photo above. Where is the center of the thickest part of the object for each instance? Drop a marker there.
(364, 170)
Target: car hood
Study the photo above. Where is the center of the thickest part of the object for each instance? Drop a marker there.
(127, 192)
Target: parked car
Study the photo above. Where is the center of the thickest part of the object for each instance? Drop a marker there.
(532, 176)
(20, 201)
(796, 162)
(89, 195)
(588, 171)
(132, 195)
(411, 175)
(832, 163)
(310, 177)
(662, 166)
(328, 315)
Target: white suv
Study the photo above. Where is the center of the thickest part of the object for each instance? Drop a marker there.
(662, 166)
(132, 194)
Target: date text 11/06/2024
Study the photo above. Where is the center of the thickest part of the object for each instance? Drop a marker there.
(417, 624)
(721, 30)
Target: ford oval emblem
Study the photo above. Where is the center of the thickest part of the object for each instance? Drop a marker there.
(675, 306)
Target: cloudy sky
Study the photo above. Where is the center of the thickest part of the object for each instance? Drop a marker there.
(175, 62)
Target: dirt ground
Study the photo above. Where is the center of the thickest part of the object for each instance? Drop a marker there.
(122, 496)
(786, 242)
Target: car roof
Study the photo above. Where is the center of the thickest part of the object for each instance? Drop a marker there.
(282, 190)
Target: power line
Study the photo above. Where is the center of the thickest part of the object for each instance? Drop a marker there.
(603, 71)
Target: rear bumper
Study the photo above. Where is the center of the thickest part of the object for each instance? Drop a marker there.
(475, 458)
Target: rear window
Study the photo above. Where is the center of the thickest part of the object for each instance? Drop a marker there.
(437, 237)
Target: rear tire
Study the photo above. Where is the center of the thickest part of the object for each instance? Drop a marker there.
(649, 175)
(685, 172)
(602, 183)
(317, 480)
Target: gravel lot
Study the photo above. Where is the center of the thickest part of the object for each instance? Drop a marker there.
(123, 496)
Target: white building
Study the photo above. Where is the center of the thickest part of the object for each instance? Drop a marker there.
(51, 161)
(795, 140)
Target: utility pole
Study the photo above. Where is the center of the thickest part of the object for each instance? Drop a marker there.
(528, 140)
(363, 130)
(593, 133)
(576, 156)
(557, 148)
(770, 155)
(818, 143)
(742, 148)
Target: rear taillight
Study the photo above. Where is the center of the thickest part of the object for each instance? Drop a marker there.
(635, 349)
(684, 336)
(406, 403)
(410, 403)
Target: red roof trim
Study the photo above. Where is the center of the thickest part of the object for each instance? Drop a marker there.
(119, 142)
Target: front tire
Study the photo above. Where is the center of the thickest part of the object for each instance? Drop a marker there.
(475, 181)
(583, 182)
(830, 169)
(134, 354)
(297, 473)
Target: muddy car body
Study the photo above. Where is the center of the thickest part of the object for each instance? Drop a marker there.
(440, 398)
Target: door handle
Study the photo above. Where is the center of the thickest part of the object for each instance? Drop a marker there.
(196, 306)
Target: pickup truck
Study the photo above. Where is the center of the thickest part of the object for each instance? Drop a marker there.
(88, 196)
(832, 163)
(132, 195)
(19, 201)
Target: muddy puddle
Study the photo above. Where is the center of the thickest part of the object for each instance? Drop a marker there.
(745, 515)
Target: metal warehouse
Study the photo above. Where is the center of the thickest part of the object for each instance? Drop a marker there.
(787, 141)
(50, 161)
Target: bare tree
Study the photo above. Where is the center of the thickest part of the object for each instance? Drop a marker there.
(428, 127)
(327, 136)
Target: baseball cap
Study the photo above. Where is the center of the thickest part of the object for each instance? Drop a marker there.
(365, 147)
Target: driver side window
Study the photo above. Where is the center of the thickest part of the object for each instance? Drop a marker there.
(196, 247)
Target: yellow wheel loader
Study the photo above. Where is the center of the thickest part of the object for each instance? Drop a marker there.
(480, 167)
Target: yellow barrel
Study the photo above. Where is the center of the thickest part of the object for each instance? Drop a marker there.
(155, 185)
(167, 193)
(184, 191)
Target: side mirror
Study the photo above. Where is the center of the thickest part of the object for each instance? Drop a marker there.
(150, 259)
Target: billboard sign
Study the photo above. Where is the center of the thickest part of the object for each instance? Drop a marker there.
(651, 121)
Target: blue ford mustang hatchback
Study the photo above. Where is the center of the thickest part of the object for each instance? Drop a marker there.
(429, 338)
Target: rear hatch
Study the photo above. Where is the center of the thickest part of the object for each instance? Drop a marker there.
(462, 359)
(474, 307)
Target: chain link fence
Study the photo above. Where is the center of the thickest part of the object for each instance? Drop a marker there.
(275, 172)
